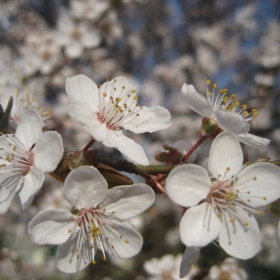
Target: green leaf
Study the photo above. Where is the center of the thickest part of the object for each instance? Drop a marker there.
(5, 116)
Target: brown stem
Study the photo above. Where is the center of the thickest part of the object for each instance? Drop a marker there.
(195, 146)
(89, 144)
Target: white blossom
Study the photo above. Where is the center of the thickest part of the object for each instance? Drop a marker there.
(108, 109)
(223, 110)
(221, 206)
(96, 222)
(24, 158)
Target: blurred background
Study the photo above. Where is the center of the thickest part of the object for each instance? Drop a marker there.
(157, 45)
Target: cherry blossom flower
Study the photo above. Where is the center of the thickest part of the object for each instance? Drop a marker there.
(226, 200)
(108, 109)
(23, 100)
(76, 37)
(222, 110)
(167, 267)
(227, 270)
(96, 222)
(24, 157)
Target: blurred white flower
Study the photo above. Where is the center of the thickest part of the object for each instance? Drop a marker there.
(227, 270)
(76, 37)
(23, 100)
(96, 223)
(167, 267)
(89, 9)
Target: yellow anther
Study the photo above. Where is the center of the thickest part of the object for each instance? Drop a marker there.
(135, 97)
(69, 230)
(126, 241)
(215, 86)
(120, 236)
(255, 178)
(209, 93)
(261, 213)
(133, 91)
(232, 220)
(113, 246)
(231, 196)
(123, 87)
(264, 198)
(245, 224)
(219, 215)
(225, 90)
(128, 95)
(208, 82)
(228, 168)
(104, 259)
(246, 113)
(113, 212)
(93, 262)
(233, 96)
(244, 106)
(104, 94)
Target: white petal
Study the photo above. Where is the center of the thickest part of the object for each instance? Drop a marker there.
(225, 152)
(97, 130)
(81, 88)
(82, 111)
(129, 148)
(230, 121)
(128, 245)
(253, 140)
(186, 185)
(196, 101)
(8, 188)
(48, 151)
(150, 120)
(128, 201)
(30, 128)
(190, 257)
(69, 260)
(85, 187)
(91, 40)
(74, 50)
(51, 227)
(237, 240)
(32, 183)
(152, 267)
(261, 180)
(199, 225)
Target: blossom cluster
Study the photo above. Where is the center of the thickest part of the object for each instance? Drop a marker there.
(219, 201)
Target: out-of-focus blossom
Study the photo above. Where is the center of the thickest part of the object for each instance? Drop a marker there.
(229, 198)
(25, 157)
(76, 37)
(228, 269)
(167, 267)
(89, 9)
(220, 112)
(96, 223)
(108, 109)
(269, 254)
(23, 100)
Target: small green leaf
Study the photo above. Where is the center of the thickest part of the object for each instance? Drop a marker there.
(5, 116)
(274, 208)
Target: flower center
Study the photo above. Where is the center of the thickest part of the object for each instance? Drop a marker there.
(223, 101)
(116, 106)
(97, 230)
(16, 159)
